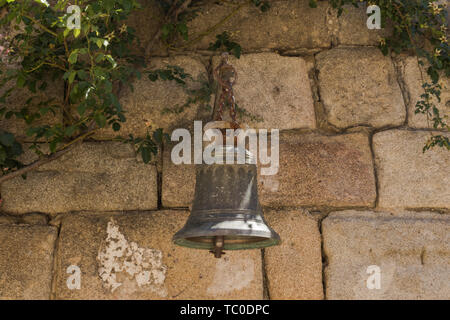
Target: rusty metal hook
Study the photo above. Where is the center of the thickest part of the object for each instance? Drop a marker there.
(226, 76)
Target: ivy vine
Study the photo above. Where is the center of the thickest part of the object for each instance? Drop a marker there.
(38, 49)
(420, 27)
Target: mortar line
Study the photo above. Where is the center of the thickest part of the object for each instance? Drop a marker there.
(54, 272)
(375, 171)
(159, 173)
(265, 278)
(324, 256)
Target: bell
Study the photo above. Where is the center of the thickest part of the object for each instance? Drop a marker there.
(226, 214)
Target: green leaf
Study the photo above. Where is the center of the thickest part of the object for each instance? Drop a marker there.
(313, 3)
(166, 30)
(146, 155)
(73, 57)
(70, 131)
(7, 139)
(16, 149)
(21, 80)
(72, 76)
(53, 145)
(237, 51)
(99, 57)
(116, 126)
(81, 109)
(100, 119)
(3, 155)
(82, 74)
(434, 75)
(183, 30)
(66, 32)
(158, 135)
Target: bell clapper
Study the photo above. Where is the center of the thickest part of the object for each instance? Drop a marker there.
(218, 245)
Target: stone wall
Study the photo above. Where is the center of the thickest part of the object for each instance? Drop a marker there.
(354, 191)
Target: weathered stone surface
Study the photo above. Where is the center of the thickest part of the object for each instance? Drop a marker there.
(26, 261)
(17, 101)
(315, 170)
(178, 182)
(319, 170)
(146, 22)
(152, 103)
(287, 25)
(135, 255)
(353, 27)
(294, 268)
(95, 176)
(275, 90)
(32, 218)
(408, 177)
(412, 251)
(358, 86)
(412, 79)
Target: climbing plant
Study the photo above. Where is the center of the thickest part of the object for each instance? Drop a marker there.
(43, 44)
(421, 27)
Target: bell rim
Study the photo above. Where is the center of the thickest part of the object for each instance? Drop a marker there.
(268, 242)
(253, 245)
(271, 238)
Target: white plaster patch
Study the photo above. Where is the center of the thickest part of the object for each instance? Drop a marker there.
(231, 274)
(118, 256)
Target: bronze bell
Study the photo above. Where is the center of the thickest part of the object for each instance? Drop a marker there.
(226, 213)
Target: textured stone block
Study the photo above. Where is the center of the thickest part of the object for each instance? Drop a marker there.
(407, 177)
(131, 256)
(95, 176)
(412, 79)
(315, 170)
(410, 251)
(154, 103)
(294, 268)
(358, 86)
(26, 261)
(178, 182)
(353, 27)
(275, 90)
(149, 15)
(287, 25)
(318, 170)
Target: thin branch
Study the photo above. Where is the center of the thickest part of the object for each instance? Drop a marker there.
(213, 28)
(170, 13)
(41, 25)
(36, 164)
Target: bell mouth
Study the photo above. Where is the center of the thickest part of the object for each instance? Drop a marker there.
(203, 235)
(229, 242)
(244, 230)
